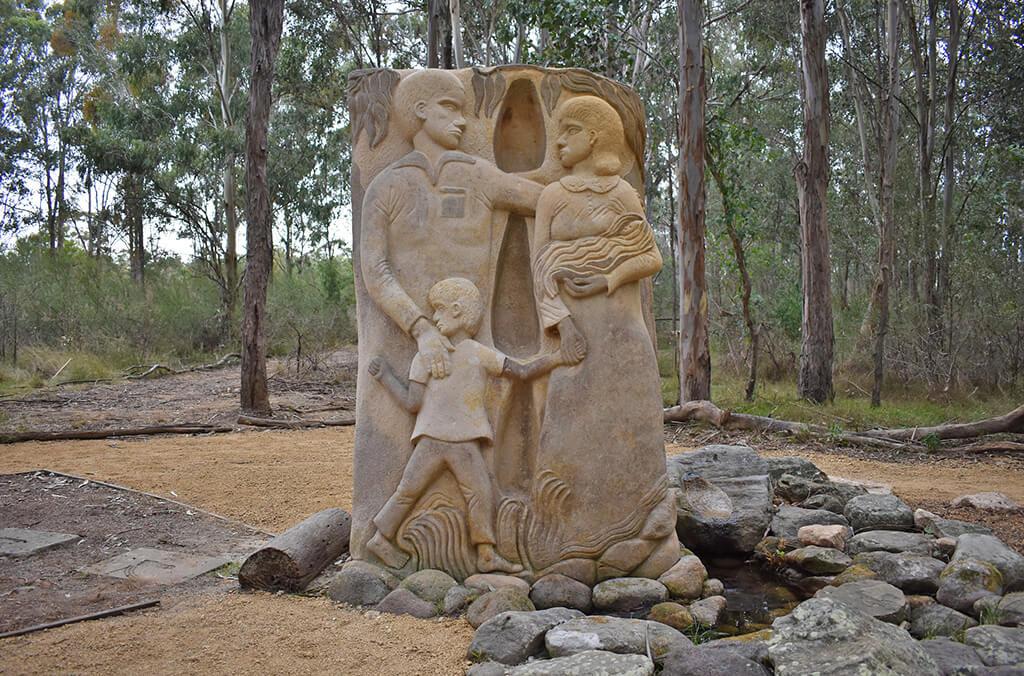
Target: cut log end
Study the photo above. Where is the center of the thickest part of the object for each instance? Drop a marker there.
(293, 559)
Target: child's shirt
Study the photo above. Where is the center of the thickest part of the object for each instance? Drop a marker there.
(454, 407)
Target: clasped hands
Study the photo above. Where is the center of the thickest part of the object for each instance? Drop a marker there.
(581, 287)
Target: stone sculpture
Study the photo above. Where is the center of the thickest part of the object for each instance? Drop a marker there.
(502, 256)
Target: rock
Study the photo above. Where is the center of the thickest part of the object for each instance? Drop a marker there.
(949, 655)
(788, 521)
(990, 548)
(874, 598)
(824, 536)
(458, 598)
(685, 580)
(587, 663)
(615, 634)
(913, 573)
(497, 602)
(974, 670)
(1010, 611)
(916, 601)
(488, 669)
(829, 503)
(945, 528)
(889, 541)
(986, 608)
(989, 501)
(997, 646)
(793, 488)
(623, 594)
(703, 661)
(512, 637)
(872, 560)
(753, 649)
(712, 587)
(673, 614)
(796, 466)
(403, 602)
(724, 498)
(359, 583)
(944, 548)
(934, 619)
(707, 612)
(560, 591)
(824, 636)
(771, 549)
(429, 585)
(878, 512)
(488, 582)
(812, 584)
(965, 580)
(854, 573)
(819, 560)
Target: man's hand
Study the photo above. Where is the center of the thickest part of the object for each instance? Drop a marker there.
(376, 367)
(573, 345)
(433, 347)
(582, 287)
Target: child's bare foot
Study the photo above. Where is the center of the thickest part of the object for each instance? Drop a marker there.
(386, 551)
(489, 561)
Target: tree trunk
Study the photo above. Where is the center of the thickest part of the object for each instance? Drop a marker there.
(133, 225)
(814, 381)
(730, 217)
(887, 234)
(265, 21)
(433, 32)
(694, 358)
(948, 238)
(456, 22)
(226, 83)
(291, 560)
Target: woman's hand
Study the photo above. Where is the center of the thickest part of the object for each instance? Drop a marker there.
(573, 345)
(582, 287)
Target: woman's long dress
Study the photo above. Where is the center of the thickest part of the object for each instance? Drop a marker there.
(600, 465)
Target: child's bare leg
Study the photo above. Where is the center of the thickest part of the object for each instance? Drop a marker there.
(386, 551)
(488, 560)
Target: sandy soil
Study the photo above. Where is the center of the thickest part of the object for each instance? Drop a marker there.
(273, 479)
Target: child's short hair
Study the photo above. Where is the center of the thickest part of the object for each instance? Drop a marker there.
(463, 291)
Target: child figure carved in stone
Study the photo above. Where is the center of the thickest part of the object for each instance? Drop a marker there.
(451, 422)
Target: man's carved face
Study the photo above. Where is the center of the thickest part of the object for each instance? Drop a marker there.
(575, 142)
(442, 117)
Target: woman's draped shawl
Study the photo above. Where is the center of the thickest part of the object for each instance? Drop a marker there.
(628, 237)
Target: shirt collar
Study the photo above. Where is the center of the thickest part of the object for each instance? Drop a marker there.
(420, 161)
(598, 184)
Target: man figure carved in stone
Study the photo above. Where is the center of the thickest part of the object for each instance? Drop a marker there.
(428, 215)
(451, 422)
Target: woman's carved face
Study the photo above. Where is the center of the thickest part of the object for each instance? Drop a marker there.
(575, 142)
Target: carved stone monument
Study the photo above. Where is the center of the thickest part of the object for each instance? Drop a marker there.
(509, 407)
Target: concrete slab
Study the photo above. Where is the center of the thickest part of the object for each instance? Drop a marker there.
(23, 541)
(156, 566)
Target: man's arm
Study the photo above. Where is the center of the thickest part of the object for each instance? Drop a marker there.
(380, 206)
(408, 397)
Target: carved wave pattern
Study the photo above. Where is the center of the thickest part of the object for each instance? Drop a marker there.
(369, 102)
(546, 527)
(439, 539)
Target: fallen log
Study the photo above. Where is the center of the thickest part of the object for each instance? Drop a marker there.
(276, 423)
(1012, 422)
(74, 435)
(899, 438)
(707, 412)
(290, 561)
(111, 612)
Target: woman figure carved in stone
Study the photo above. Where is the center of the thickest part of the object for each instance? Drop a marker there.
(600, 505)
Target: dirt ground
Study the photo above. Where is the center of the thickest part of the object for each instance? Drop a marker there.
(273, 479)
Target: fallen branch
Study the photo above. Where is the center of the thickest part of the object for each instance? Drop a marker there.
(81, 618)
(275, 423)
(1012, 422)
(172, 371)
(17, 437)
(706, 412)
(900, 438)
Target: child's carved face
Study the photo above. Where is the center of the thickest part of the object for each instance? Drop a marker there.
(448, 317)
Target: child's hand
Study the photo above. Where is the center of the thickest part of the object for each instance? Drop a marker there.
(376, 367)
